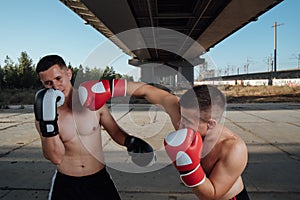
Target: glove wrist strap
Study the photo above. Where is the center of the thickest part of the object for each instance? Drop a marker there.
(118, 87)
(194, 177)
(48, 129)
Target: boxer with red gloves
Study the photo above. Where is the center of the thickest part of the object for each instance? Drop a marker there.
(184, 148)
(216, 173)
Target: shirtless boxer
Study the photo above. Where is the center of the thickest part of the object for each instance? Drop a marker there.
(196, 117)
(71, 136)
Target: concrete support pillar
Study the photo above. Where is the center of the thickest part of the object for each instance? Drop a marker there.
(158, 73)
(186, 75)
(147, 74)
(173, 73)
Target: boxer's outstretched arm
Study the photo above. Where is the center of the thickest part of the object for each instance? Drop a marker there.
(159, 97)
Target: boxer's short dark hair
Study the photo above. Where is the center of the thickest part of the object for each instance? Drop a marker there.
(48, 61)
(203, 97)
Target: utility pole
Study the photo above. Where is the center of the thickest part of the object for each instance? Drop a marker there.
(275, 45)
(270, 61)
(298, 61)
(273, 74)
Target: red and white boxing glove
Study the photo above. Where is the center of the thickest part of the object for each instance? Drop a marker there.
(184, 148)
(94, 94)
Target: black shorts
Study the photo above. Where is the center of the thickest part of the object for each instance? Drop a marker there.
(243, 195)
(95, 186)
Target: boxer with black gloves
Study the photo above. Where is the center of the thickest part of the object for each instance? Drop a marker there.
(71, 134)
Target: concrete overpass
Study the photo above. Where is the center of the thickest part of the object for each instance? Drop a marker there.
(161, 35)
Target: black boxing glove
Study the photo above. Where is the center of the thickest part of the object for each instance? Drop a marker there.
(142, 154)
(45, 110)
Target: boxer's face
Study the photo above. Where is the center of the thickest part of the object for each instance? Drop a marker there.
(57, 78)
(198, 121)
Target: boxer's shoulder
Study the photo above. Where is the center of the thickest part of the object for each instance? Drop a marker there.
(230, 146)
(233, 152)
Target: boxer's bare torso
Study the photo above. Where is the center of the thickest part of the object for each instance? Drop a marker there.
(79, 145)
(219, 156)
(80, 133)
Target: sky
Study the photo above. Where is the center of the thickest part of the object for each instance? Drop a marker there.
(254, 43)
(41, 27)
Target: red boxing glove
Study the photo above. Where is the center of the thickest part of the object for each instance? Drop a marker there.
(184, 148)
(94, 94)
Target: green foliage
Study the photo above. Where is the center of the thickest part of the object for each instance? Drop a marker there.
(18, 75)
(16, 97)
(1, 77)
(10, 73)
(109, 74)
(21, 75)
(80, 75)
(19, 81)
(128, 78)
(26, 71)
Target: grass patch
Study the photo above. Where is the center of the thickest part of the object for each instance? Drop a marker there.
(16, 97)
(234, 94)
(259, 94)
(260, 90)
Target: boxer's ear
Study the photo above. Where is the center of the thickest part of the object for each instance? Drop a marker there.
(69, 73)
(211, 123)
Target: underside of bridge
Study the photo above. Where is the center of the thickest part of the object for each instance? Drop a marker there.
(167, 37)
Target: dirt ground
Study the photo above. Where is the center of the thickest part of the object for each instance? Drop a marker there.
(234, 94)
(264, 99)
(261, 94)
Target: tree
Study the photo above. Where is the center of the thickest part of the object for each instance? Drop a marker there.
(127, 77)
(77, 76)
(22, 75)
(1, 77)
(109, 74)
(26, 73)
(94, 74)
(74, 72)
(10, 73)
